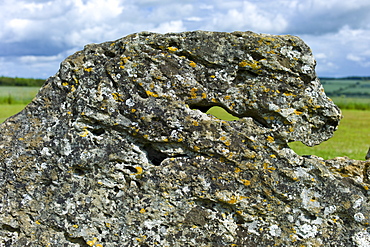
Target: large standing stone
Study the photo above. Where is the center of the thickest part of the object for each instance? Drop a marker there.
(117, 150)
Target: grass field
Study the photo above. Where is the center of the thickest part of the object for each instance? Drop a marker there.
(347, 87)
(17, 95)
(352, 139)
(9, 110)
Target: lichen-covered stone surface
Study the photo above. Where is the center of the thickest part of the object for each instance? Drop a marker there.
(117, 150)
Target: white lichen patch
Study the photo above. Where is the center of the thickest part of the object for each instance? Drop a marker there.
(306, 231)
(275, 230)
(362, 239)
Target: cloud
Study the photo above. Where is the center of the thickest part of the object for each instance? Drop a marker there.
(249, 16)
(336, 30)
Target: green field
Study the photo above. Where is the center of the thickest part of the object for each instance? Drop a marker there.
(9, 110)
(355, 87)
(12, 95)
(352, 139)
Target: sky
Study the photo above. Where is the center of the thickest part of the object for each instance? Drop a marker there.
(37, 35)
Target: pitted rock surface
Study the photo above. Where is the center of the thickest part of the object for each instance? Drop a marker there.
(117, 149)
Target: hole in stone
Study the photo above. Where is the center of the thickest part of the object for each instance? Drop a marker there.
(221, 113)
(109, 54)
(78, 171)
(98, 132)
(154, 156)
(214, 110)
(131, 169)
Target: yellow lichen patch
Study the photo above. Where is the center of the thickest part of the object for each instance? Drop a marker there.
(92, 242)
(139, 170)
(196, 148)
(142, 210)
(112, 44)
(193, 93)
(270, 139)
(125, 59)
(366, 187)
(227, 97)
(227, 143)
(172, 49)
(252, 64)
(297, 112)
(122, 67)
(149, 93)
(288, 94)
(204, 95)
(75, 226)
(267, 167)
(85, 133)
(237, 169)
(108, 224)
(133, 110)
(73, 88)
(192, 64)
(195, 123)
(180, 140)
(38, 222)
(273, 156)
(65, 84)
(233, 200)
(212, 76)
(117, 96)
(246, 182)
(88, 69)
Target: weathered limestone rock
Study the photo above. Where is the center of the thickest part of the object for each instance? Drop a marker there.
(117, 150)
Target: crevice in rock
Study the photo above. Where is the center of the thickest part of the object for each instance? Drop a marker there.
(141, 91)
(154, 156)
(131, 169)
(9, 228)
(78, 171)
(109, 54)
(114, 83)
(98, 131)
(78, 240)
(206, 106)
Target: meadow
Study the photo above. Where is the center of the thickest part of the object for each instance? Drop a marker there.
(352, 139)
(13, 95)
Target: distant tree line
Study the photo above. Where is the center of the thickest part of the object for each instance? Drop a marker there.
(21, 82)
(346, 78)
